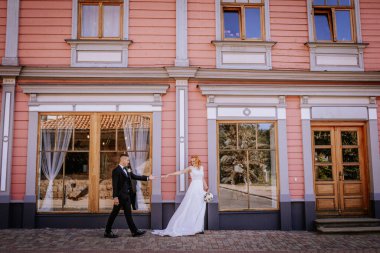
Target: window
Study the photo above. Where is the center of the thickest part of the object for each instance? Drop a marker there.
(247, 166)
(243, 20)
(77, 153)
(333, 20)
(100, 19)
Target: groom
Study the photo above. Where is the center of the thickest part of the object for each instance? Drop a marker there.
(122, 186)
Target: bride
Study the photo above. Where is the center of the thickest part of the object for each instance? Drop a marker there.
(188, 219)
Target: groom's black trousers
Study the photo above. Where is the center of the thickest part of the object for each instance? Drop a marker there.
(126, 204)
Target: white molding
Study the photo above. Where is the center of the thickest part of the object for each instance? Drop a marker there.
(300, 90)
(74, 21)
(181, 34)
(211, 113)
(372, 113)
(281, 113)
(246, 112)
(339, 113)
(5, 141)
(267, 20)
(305, 113)
(218, 20)
(93, 89)
(357, 21)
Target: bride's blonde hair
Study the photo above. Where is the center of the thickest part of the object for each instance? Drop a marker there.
(197, 160)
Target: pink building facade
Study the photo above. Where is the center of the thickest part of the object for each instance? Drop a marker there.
(279, 99)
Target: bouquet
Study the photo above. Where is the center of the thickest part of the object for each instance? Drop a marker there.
(208, 197)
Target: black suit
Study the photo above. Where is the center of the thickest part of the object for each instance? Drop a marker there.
(122, 187)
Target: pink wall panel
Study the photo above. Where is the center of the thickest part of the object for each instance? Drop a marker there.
(20, 140)
(370, 24)
(289, 28)
(294, 138)
(168, 162)
(44, 26)
(198, 126)
(152, 28)
(201, 31)
(3, 22)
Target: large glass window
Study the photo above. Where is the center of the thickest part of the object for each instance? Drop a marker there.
(333, 20)
(247, 165)
(243, 21)
(76, 148)
(100, 19)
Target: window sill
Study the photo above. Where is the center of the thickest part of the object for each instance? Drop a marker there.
(336, 56)
(243, 54)
(99, 53)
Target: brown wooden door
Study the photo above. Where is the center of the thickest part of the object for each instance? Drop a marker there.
(339, 156)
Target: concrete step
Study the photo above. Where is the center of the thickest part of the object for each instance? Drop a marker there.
(348, 229)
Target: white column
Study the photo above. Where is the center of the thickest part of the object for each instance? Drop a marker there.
(11, 40)
(181, 34)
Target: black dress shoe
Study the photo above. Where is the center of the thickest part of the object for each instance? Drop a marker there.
(138, 233)
(110, 235)
(201, 233)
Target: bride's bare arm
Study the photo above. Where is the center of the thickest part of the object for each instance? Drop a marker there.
(179, 172)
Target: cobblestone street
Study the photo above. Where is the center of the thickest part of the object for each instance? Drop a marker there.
(91, 240)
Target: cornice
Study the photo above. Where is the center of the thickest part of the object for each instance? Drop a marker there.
(105, 42)
(299, 90)
(8, 71)
(180, 72)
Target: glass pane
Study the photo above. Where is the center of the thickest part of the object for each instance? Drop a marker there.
(121, 140)
(255, 1)
(247, 136)
(90, 19)
(82, 139)
(265, 136)
(331, 2)
(349, 138)
(233, 180)
(262, 179)
(324, 172)
(231, 24)
(111, 21)
(108, 162)
(345, 2)
(319, 2)
(252, 23)
(322, 155)
(322, 138)
(227, 136)
(322, 27)
(351, 172)
(350, 155)
(107, 139)
(75, 181)
(343, 25)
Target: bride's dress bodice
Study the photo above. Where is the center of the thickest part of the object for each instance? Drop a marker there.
(196, 173)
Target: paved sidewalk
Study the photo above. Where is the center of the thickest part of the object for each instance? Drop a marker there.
(91, 240)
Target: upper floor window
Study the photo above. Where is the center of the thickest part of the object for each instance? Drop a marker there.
(243, 20)
(334, 20)
(100, 19)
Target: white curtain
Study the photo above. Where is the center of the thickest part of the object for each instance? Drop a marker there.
(55, 145)
(138, 159)
(90, 19)
(111, 21)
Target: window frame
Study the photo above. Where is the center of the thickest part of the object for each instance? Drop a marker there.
(331, 11)
(241, 7)
(100, 4)
(275, 125)
(94, 153)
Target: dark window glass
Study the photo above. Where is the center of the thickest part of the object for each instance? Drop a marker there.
(253, 23)
(322, 27)
(231, 24)
(332, 2)
(343, 25)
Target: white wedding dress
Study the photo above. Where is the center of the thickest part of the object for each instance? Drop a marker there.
(188, 219)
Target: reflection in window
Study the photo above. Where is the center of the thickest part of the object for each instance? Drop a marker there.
(253, 23)
(322, 26)
(63, 160)
(343, 25)
(247, 170)
(231, 24)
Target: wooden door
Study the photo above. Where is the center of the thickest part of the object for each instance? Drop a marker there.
(340, 177)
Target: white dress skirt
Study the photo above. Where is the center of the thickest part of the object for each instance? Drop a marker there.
(188, 219)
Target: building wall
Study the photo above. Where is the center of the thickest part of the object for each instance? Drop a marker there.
(168, 162)
(44, 26)
(378, 118)
(295, 155)
(201, 31)
(3, 23)
(370, 24)
(290, 30)
(152, 28)
(20, 144)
